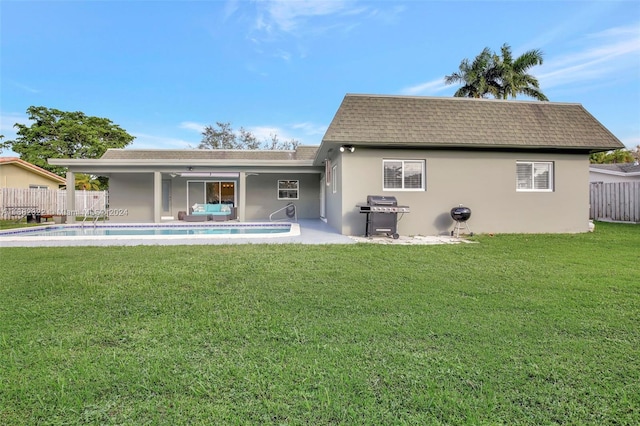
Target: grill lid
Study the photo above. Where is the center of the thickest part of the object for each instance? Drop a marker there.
(381, 200)
(461, 214)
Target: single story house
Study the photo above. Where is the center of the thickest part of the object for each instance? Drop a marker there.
(20, 174)
(614, 173)
(520, 166)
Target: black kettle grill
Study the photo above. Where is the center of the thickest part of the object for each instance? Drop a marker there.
(460, 214)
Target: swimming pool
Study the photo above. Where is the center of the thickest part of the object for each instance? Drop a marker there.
(150, 231)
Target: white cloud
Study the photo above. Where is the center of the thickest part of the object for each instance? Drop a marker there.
(288, 16)
(631, 142)
(427, 88)
(7, 121)
(611, 53)
(297, 21)
(24, 87)
(284, 55)
(191, 125)
(146, 141)
(305, 133)
(310, 128)
(284, 18)
(265, 132)
(230, 7)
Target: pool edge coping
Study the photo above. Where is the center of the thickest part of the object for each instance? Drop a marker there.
(294, 231)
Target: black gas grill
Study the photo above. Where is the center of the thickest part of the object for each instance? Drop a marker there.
(382, 215)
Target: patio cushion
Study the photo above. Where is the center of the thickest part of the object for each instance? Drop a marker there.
(211, 209)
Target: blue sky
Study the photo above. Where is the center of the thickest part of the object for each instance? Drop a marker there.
(164, 69)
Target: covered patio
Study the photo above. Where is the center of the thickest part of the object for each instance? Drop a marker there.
(162, 185)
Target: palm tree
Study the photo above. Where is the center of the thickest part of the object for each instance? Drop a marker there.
(513, 75)
(500, 77)
(87, 182)
(477, 77)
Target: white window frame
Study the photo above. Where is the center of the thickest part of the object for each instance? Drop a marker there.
(334, 179)
(532, 186)
(36, 186)
(423, 180)
(297, 189)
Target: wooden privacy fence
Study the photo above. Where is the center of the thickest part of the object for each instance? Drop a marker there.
(16, 202)
(615, 201)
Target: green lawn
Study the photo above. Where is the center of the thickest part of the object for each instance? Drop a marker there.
(517, 329)
(11, 224)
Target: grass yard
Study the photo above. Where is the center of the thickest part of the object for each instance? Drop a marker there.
(11, 224)
(518, 329)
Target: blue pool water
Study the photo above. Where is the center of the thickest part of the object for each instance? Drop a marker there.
(149, 230)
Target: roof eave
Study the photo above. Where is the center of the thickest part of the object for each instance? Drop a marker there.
(328, 145)
(38, 170)
(74, 162)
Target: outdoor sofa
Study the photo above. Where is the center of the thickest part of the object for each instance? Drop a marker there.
(218, 212)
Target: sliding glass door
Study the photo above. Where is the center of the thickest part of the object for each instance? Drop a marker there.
(220, 192)
(211, 192)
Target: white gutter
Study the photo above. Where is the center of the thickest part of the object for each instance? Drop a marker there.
(79, 162)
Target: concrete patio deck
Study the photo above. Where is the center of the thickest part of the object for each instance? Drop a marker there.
(312, 231)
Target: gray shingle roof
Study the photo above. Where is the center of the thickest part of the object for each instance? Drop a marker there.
(618, 167)
(464, 122)
(301, 153)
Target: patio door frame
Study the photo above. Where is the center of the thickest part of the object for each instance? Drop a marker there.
(204, 182)
(166, 197)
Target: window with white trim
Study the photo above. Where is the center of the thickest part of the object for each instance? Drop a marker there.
(403, 175)
(534, 176)
(288, 189)
(33, 186)
(334, 179)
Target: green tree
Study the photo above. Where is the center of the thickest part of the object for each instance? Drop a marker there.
(478, 78)
(61, 134)
(222, 136)
(636, 154)
(616, 156)
(499, 76)
(512, 74)
(88, 182)
(275, 143)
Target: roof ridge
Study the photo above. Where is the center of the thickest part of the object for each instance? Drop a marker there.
(460, 99)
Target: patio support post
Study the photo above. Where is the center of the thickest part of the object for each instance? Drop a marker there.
(242, 195)
(71, 197)
(157, 196)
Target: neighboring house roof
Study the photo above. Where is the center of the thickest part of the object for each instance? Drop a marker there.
(409, 121)
(33, 168)
(617, 169)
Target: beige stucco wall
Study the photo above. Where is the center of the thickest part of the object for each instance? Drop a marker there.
(12, 176)
(178, 201)
(483, 181)
(334, 200)
(262, 195)
(133, 192)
